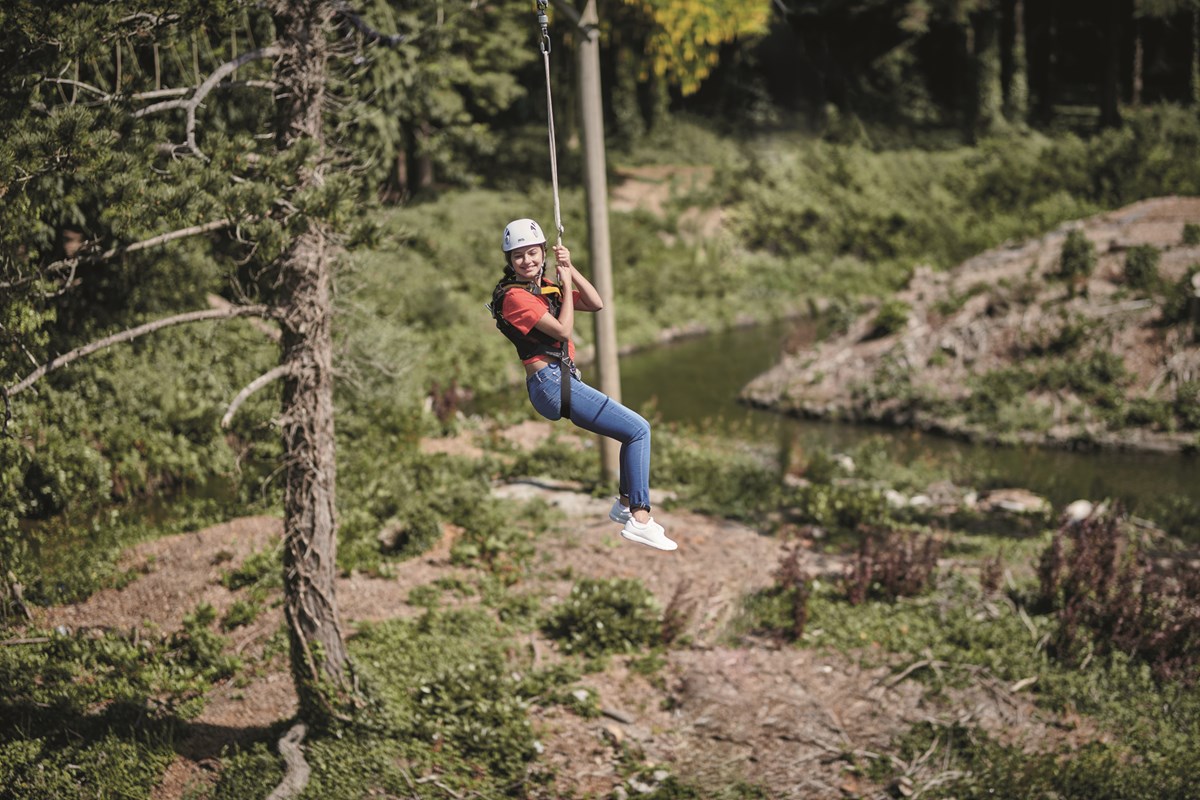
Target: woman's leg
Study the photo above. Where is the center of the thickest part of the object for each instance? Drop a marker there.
(596, 412)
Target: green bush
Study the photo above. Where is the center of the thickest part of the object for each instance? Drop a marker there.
(1141, 266)
(1179, 303)
(892, 317)
(95, 716)
(1078, 257)
(839, 507)
(449, 682)
(263, 568)
(1191, 234)
(617, 615)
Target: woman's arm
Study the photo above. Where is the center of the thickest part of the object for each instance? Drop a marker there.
(589, 298)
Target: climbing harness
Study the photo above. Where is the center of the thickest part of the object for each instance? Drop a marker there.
(534, 343)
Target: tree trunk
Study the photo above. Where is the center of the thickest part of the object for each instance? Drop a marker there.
(1048, 96)
(1139, 65)
(1110, 112)
(424, 163)
(626, 109)
(320, 665)
(965, 82)
(1016, 104)
(1196, 56)
(987, 100)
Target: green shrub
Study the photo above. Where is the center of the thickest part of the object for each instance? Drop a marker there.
(109, 766)
(617, 615)
(1187, 404)
(838, 507)
(1089, 574)
(253, 772)
(1141, 266)
(1078, 257)
(242, 612)
(95, 716)
(1191, 234)
(448, 681)
(1179, 303)
(892, 317)
(263, 568)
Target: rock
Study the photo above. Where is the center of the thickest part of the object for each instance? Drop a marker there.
(1078, 511)
(614, 734)
(920, 501)
(1014, 501)
(895, 499)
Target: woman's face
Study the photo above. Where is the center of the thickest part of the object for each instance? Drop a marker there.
(527, 261)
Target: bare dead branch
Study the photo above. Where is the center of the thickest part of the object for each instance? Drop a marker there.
(267, 330)
(129, 335)
(87, 87)
(204, 89)
(154, 241)
(273, 374)
(295, 776)
(372, 36)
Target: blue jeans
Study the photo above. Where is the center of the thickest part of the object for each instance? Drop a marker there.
(595, 411)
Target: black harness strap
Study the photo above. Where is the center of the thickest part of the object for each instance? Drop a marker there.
(536, 343)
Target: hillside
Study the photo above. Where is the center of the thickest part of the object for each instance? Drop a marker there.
(1004, 348)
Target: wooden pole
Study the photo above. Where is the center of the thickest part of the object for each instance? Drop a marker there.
(596, 188)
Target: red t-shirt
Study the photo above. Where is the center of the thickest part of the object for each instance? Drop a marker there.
(523, 309)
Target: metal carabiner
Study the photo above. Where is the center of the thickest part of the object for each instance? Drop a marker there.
(544, 22)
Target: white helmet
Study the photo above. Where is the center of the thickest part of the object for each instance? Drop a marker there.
(522, 233)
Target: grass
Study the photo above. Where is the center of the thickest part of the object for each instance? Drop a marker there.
(97, 716)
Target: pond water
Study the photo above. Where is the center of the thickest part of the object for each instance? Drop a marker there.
(698, 380)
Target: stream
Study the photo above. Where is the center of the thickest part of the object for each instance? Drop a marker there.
(697, 381)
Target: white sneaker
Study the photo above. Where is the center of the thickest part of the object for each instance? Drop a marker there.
(651, 534)
(619, 513)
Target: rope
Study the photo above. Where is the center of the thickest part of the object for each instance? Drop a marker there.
(545, 45)
(565, 366)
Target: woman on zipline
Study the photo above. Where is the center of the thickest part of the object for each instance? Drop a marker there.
(538, 317)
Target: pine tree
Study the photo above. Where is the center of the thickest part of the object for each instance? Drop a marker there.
(132, 132)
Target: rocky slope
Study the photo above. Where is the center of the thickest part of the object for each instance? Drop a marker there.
(1004, 348)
